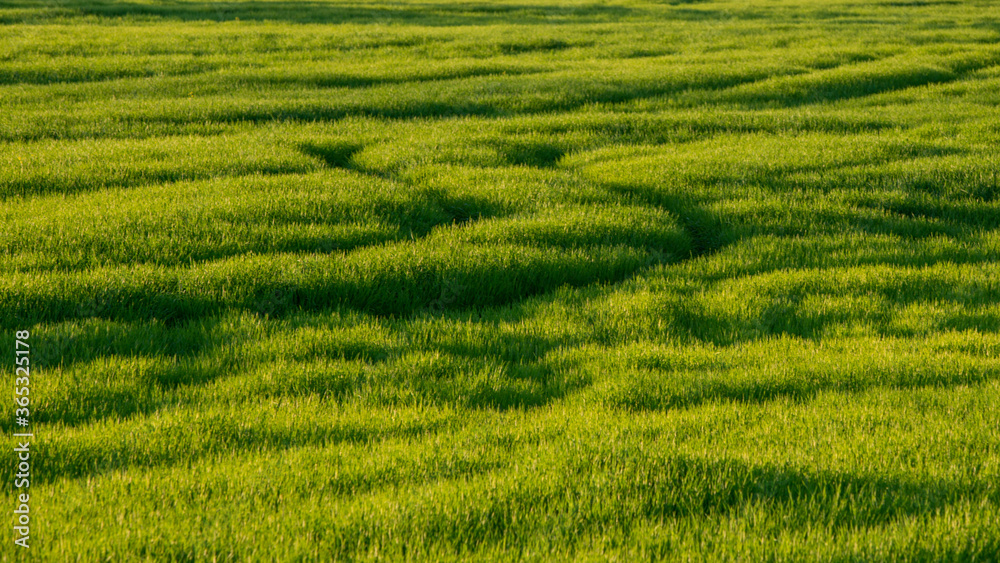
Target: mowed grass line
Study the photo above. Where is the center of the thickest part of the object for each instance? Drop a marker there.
(505, 281)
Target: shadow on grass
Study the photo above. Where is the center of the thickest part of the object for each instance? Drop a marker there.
(86, 75)
(520, 93)
(342, 80)
(645, 391)
(784, 314)
(528, 153)
(919, 3)
(214, 437)
(416, 13)
(687, 486)
(156, 361)
(392, 281)
(810, 89)
(365, 81)
(391, 382)
(337, 154)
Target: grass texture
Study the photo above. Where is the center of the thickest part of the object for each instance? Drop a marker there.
(517, 280)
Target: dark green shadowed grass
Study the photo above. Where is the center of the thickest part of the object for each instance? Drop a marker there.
(504, 281)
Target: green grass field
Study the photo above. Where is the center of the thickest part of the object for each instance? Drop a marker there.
(517, 280)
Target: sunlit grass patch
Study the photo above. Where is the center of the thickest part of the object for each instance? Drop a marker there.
(685, 280)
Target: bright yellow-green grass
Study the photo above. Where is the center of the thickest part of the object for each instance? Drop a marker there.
(515, 280)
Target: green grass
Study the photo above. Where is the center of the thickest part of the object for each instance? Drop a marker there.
(514, 280)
